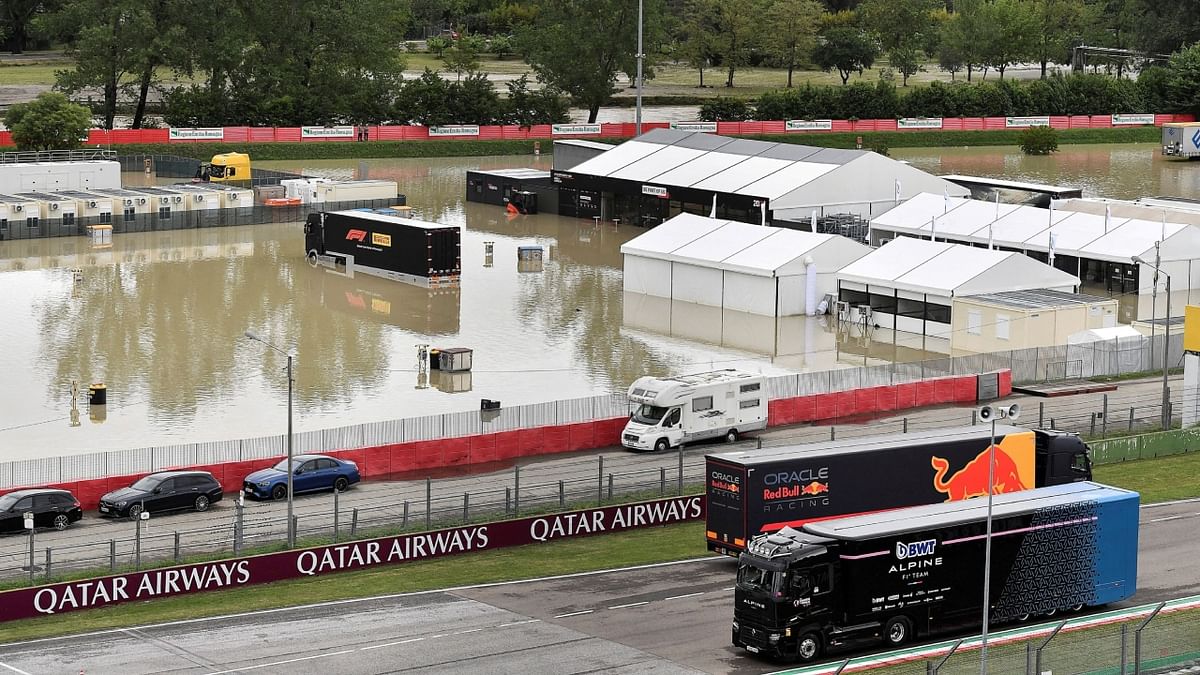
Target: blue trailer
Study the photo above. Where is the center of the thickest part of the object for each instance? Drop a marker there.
(891, 576)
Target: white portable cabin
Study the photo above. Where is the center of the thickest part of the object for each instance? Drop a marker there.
(233, 197)
(677, 410)
(53, 176)
(359, 190)
(14, 209)
(127, 202)
(307, 190)
(198, 198)
(51, 206)
(163, 198)
(89, 205)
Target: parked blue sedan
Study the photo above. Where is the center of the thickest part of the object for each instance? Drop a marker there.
(310, 474)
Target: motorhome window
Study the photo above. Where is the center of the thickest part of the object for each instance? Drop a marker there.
(106, 217)
(3, 224)
(129, 214)
(702, 403)
(747, 388)
(757, 578)
(68, 219)
(649, 414)
(748, 403)
(31, 222)
(164, 212)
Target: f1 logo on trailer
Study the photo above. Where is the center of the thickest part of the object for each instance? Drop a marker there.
(356, 235)
(916, 549)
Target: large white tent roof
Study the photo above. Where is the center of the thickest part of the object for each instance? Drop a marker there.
(739, 247)
(778, 172)
(940, 268)
(1075, 233)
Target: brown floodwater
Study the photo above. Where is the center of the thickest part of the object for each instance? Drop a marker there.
(159, 317)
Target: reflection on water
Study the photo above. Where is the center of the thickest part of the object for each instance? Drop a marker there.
(159, 317)
(1118, 171)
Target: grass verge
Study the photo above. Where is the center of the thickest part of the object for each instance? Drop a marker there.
(1158, 480)
(478, 148)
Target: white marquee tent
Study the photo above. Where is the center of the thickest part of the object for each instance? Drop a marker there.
(736, 266)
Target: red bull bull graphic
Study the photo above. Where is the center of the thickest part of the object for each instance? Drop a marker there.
(972, 479)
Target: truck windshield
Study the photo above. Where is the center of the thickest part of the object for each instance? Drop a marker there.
(649, 414)
(758, 579)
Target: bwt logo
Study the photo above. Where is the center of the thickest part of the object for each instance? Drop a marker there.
(916, 549)
(356, 235)
(1196, 138)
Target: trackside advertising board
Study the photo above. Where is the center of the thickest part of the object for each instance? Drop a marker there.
(322, 560)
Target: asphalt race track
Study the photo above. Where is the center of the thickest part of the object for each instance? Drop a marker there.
(671, 618)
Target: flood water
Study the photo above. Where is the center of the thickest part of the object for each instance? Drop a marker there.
(159, 317)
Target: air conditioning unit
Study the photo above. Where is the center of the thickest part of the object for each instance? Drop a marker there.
(18, 208)
(53, 207)
(164, 200)
(141, 200)
(198, 198)
(128, 202)
(91, 204)
(178, 199)
(233, 196)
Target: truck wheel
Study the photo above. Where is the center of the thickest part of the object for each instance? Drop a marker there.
(662, 445)
(312, 257)
(731, 436)
(808, 647)
(897, 631)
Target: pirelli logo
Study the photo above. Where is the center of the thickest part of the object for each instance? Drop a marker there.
(381, 239)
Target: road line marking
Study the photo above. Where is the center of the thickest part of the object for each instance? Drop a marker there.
(680, 597)
(522, 623)
(632, 604)
(728, 589)
(563, 616)
(280, 663)
(469, 630)
(13, 668)
(391, 644)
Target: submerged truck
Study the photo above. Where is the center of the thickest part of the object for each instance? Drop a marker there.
(897, 575)
(402, 249)
(677, 410)
(1181, 139)
(763, 490)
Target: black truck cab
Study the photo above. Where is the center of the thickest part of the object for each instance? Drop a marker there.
(1060, 457)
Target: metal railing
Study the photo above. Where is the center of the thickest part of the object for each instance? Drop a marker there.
(239, 528)
(1029, 366)
(82, 154)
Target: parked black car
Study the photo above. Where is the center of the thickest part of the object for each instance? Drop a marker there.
(51, 507)
(163, 491)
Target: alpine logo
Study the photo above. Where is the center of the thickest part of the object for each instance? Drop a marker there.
(356, 235)
(1196, 138)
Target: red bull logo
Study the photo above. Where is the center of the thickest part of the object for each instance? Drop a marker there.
(972, 479)
(810, 489)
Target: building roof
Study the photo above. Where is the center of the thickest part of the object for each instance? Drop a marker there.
(518, 174)
(946, 269)
(778, 172)
(741, 247)
(925, 518)
(1039, 298)
(1028, 228)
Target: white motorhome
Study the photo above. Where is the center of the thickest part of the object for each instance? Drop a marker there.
(678, 410)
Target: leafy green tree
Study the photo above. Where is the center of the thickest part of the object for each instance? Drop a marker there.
(1165, 26)
(501, 46)
(1179, 84)
(438, 45)
(1059, 26)
(17, 18)
(905, 28)
(697, 33)
(580, 46)
(1014, 25)
(49, 122)
(526, 107)
(952, 48)
(793, 31)
(461, 58)
(739, 29)
(846, 49)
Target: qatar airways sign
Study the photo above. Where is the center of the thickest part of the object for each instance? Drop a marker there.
(312, 562)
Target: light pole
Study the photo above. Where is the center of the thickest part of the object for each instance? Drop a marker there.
(1166, 391)
(987, 413)
(291, 523)
(638, 114)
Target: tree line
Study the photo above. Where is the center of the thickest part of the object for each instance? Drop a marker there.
(309, 62)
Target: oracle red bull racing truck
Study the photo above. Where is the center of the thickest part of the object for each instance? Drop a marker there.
(894, 576)
(764, 490)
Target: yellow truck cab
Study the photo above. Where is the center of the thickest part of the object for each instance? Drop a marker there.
(229, 166)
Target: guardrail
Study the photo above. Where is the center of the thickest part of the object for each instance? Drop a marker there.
(108, 137)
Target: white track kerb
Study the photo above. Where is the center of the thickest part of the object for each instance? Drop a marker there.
(1004, 637)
